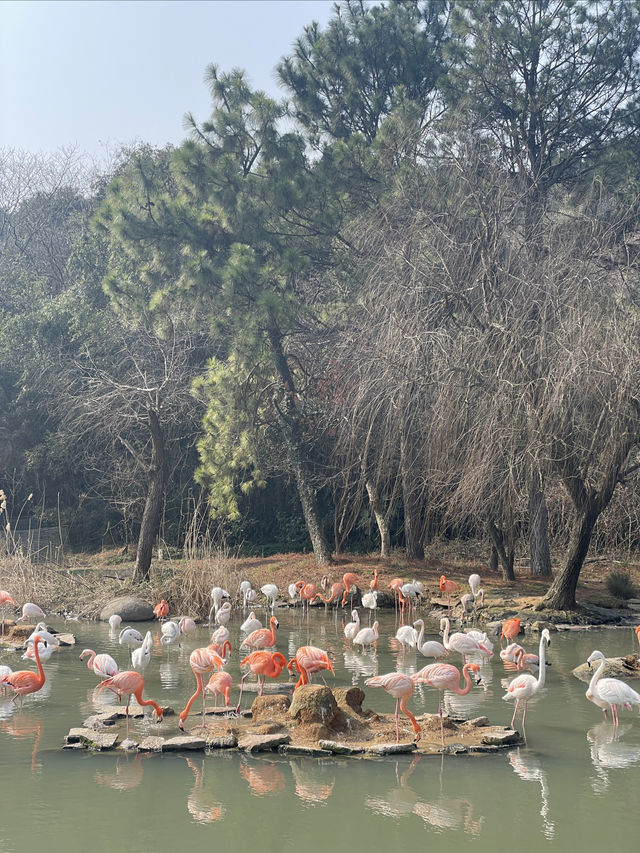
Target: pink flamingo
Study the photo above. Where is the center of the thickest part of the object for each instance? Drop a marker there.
(510, 629)
(448, 586)
(401, 687)
(333, 595)
(307, 592)
(220, 685)
(31, 611)
(463, 643)
(130, 683)
(25, 681)
(444, 676)
(309, 659)
(349, 579)
(396, 586)
(263, 638)
(201, 661)
(262, 663)
(5, 598)
(103, 665)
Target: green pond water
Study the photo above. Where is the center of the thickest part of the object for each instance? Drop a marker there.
(574, 785)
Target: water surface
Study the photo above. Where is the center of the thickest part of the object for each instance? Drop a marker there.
(574, 783)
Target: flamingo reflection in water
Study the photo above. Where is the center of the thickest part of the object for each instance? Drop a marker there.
(608, 752)
(125, 775)
(263, 777)
(529, 769)
(25, 725)
(312, 786)
(201, 804)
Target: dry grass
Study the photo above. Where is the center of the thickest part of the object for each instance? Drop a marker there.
(87, 583)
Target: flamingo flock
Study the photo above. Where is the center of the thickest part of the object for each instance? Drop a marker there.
(264, 660)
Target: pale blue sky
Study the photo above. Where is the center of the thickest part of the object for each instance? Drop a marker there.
(94, 73)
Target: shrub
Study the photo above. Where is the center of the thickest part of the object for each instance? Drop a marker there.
(620, 585)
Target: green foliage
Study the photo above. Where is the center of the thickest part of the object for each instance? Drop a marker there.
(620, 585)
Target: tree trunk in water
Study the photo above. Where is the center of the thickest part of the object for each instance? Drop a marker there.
(381, 521)
(562, 592)
(156, 475)
(505, 550)
(539, 531)
(296, 453)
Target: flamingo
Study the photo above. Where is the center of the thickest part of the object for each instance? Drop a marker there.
(223, 649)
(201, 661)
(31, 611)
(251, 624)
(474, 585)
(482, 638)
(4, 671)
(374, 583)
(337, 589)
(524, 660)
(430, 648)
(406, 635)
(220, 635)
(462, 643)
(217, 594)
(349, 579)
(103, 665)
(524, 686)
(307, 592)
(352, 628)
(270, 592)
(46, 650)
(262, 663)
(611, 691)
(141, 657)
(367, 636)
(220, 684)
(637, 632)
(187, 625)
(249, 595)
(510, 629)
(307, 660)
(25, 681)
(444, 676)
(130, 683)
(5, 598)
(115, 620)
(170, 633)
(410, 593)
(41, 629)
(396, 586)
(401, 687)
(508, 655)
(161, 611)
(370, 601)
(293, 594)
(224, 613)
(448, 586)
(263, 638)
(130, 637)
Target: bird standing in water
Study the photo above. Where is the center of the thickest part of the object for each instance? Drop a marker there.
(25, 681)
(401, 687)
(444, 676)
(130, 683)
(524, 686)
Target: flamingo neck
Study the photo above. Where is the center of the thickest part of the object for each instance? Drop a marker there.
(36, 642)
(141, 701)
(92, 657)
(541, 654)
(445, 636)
(185, 711)
(462, 691)
(421, 634)
(596, 677)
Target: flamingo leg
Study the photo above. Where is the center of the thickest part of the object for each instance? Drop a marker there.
(397, 727)
(241, 688)
(515, 711)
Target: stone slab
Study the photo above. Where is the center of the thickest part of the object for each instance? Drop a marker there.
(262, 743)
(151, 744)
(391, 748)
(293, 749)
(229, 741)
(94, 740)
(506, 737)
(184, 742)
(340, 748)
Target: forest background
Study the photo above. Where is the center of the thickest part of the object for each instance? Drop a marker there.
(396, 309)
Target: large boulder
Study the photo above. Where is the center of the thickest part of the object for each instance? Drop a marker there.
(129, 607)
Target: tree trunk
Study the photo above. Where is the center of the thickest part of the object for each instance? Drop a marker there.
(562, 592)
(538, 530)
(381, 521)
(493, 558)
(506, 550)
(156, 476)
(296, 452)
(411, 497)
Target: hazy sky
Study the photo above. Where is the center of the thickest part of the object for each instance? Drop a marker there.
(96, 73)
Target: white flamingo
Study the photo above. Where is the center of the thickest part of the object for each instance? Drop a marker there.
(428, 648)
(462, 643)
(251, 624)
(103, 665)
(270, 592)
(130, 637)
(141, 658)
(220, 635)
(524, 686)
(612, 691)
(351, 628)
(31, 611)
(115, 620)
(224, 614)
(170, 633)
(407, 635)
(367, 636)
(217, 594)
(370, 601)
(41, 630)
